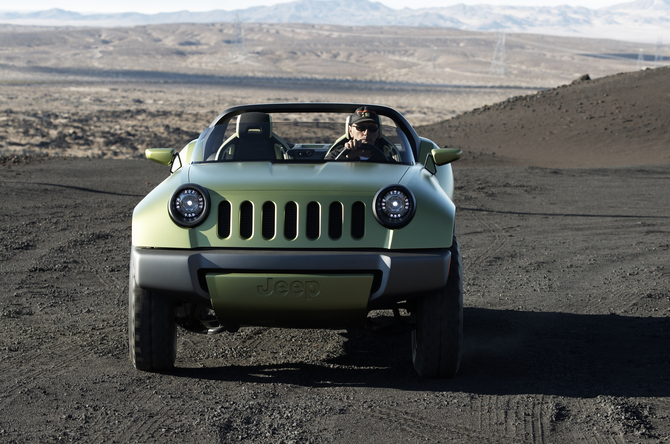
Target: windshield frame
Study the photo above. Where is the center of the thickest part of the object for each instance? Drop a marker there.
(227, 117)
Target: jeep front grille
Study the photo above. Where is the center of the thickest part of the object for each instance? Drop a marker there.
(335, 220)
(314, 221)
(357, 220)
(246, 220)
(268, 220)
(224, 219)
(291, 220)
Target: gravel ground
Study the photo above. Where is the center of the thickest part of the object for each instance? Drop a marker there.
(567, 293)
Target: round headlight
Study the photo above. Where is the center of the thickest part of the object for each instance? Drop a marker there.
(394, 206)
(189, 205)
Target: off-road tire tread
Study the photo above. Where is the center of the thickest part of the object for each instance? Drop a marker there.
(152, 331)
(437, 340)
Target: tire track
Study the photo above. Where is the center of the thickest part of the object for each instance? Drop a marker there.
(592, 436)
(488, 419)
(498, 242)
(509, 418)
(413, 425)
(142, 430)
(537, 422)
(39, 366)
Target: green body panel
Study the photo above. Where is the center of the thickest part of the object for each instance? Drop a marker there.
(186, 154)
(444, 173)
(295, 300)
(302, 183)
(289, 177)
(433, 228)
(152, 226)
(197, 151)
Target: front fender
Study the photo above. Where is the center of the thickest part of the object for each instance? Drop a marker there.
(435, 212)
(152, 225)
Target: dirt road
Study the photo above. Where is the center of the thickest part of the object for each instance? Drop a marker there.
(567, 292)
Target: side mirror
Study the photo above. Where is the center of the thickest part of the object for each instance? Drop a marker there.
(441, 156)
(164, 156)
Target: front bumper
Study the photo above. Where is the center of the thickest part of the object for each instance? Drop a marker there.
(397, 275)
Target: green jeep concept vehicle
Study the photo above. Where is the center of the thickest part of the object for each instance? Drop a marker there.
(283, 215)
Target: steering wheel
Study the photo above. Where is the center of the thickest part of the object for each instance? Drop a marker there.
(376, 156)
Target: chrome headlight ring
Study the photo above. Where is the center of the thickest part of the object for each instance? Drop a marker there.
(394, 206)
(189, 205)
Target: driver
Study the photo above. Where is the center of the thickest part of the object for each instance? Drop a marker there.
(364, 132)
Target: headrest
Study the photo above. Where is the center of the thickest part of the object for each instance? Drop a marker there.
(254, 125)
(346, 127)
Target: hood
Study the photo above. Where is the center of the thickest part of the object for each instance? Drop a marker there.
(329, 176)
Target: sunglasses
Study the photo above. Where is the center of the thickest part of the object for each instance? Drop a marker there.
(369, 128)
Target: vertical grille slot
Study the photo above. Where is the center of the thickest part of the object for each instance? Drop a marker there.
(313, 220)
(268, 220)
(358, 220)
(246, 219)
(291, 220)
(224, 219)
(335, 220)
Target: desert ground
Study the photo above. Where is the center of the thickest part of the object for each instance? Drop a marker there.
(563, 219)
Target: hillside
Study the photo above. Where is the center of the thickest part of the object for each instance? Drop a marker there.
(612, 121)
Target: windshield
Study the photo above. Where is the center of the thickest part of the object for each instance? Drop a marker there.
(283, 138)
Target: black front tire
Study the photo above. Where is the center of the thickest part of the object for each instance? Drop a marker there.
(152, 331)
(437, 340)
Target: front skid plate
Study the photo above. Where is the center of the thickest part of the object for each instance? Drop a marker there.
(290, 300)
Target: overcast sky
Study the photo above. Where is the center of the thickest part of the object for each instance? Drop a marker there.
(154, 6)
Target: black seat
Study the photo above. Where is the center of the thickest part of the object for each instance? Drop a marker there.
(253, 140)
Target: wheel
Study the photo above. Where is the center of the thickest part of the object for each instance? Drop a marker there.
(152, 331)
(437, 339)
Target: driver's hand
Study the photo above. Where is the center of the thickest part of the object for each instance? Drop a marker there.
(354, 149)
(353, 144)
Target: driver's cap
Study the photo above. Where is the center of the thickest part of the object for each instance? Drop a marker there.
(363, 114)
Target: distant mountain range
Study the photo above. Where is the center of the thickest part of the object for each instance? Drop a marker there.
(642, 20)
